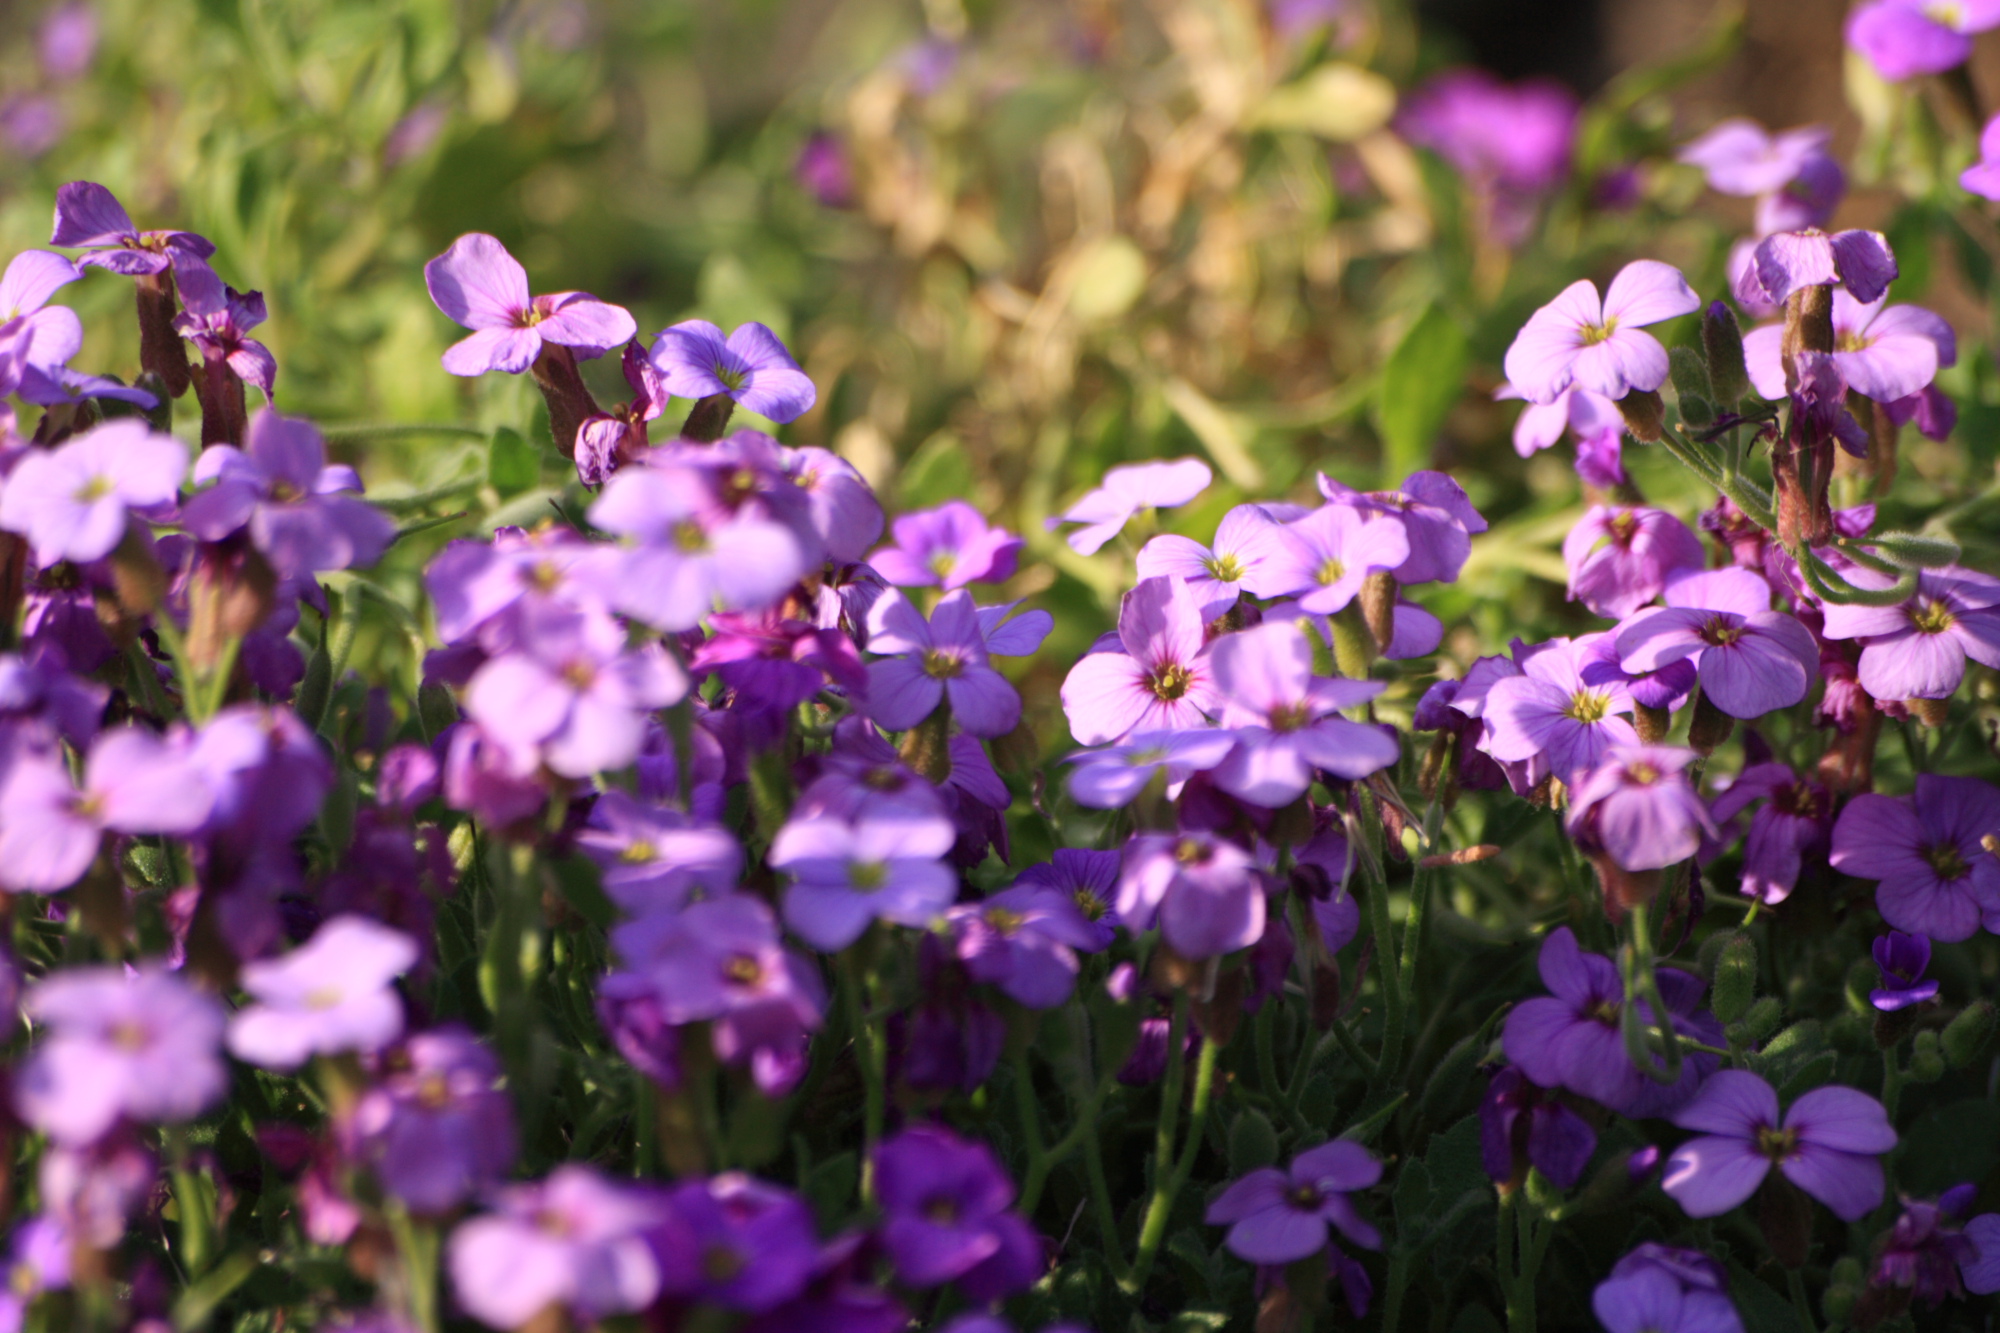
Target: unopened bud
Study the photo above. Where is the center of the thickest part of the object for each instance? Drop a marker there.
(436, 709)
(1378, 607)
(1709, 727)
(1965, 1037)
(1722, 344)
(1930, 712)
(1760, 1022)
(161, 351)
(1645, 415)
(1735, 987)
(1464, 856)
(1926, 1059)
(1691, 388)
(1843, 1288)
(1252, 1142)
(1652, 724)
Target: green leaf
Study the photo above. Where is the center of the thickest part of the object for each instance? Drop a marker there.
(1957, 1141)
(938, 471)
(512, 463)
(1252, 1143)
(1420, 383)
(198, 1303)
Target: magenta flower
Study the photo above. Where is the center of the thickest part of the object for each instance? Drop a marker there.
(845, 876)
(1124, 492)
(1328, 554)
(1023, 940)
(1578, 339)
(577, 1240)
(1885, 353)
(89, 218)
(735, 1242)
(1205, 892)
(947, 547)
(1658, 1289)
(139, 1046)
(1521, 1123)
(1162, 681)
(1621, 557)
(1901, 959)
(1276, 1217)
(217, 319)
(133, 782)
(334, 993)
(608, 441)
(1905, 38)
(435, 1125)
(301, 513)
(479, 285)
(1795, 819)
(1860, 261)
(1743, 158)
(945, 1205)
(1827, 1145)
(1437, 517)
(1982, 177)
(1106, 779)
(940, 660)
(1915, 649)
(1637, 807)
(71, 502)
(1245, 541)
(751, 366)
(1935, 876)
(653, 857)
(1751, 659)
(1551, 717)
(1287, 720)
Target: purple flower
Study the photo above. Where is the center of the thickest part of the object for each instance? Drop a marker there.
(1205, 892)
(71, 502)
(133, 782)
(1925, 1250)
(1795, 819)
(217, 320)
(1328, 554)
(1882, 352)
(607, 441)
(1519, 1122)
(1570, 1038)
(47, 336)
(576, 1239)
(1245, 541)
(300, 512)
(1024, 940)
(1551, 717)
(1983, 177)
(654, 857)
(1276, 1217)
(1935, 876)
(94, 1191)
(1827, 1145)
(848, 875)
(1621, 557)
(1591, 417)
(823, 171)
(752, 367)
(1913, 650)
(1751, 659)
(141, 1046)
(840, 505)
(1905, 38)
(772, 664)
(944, 1203)
(1287, 720)
(1511, 142)
(735, 1242)
(332, 994)
(1162, 681)
(1124, 492)
(436, 1126)
(1860, 261)
(1901, 959)
(1106, 779)
(1578, 339)
(1089, 879)
(479, 285)
(948, 547)
(1742, 158)
(942, 660)
(67, 40)
(1982, 1271)
(1638, 808)
(88, 217)
(1659, 1289)
(1437, 517)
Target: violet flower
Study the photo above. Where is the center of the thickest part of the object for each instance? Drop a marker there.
(1795, 819)
(1205, 892)
(1287, 720)
(840, 504)
(1751, 659)
(1512, 142)
(1024, 941)
(1162, 681)
(66, 42)
(332, 994)
(1781, 264)
(1090, 880)
(947, 547)
(1742, 158)
(1621, 557)
(944, 1202)
(1437, 517)
(71, 502)
(1551, 717)
(1905, 38)
(1827, 1145)
(1108, 778)
(577, 1239)
(846, 876)
(1901, 959)
(88, 217)
(1580, 339)
(1278, 1217)
(1244, 541)
(1124, 492)
(1982, 1271)
(94, 1191)
(300, 512)
(435, 1124)
(1521, 1123)
(1661, 1289)
(1328, 554)
(1926, 1249)
(477, 284)
(1883, 352)
(735, 1242)
(133, 782)
(940, 660)
(653, 857)
(140, 1046)
(1983, 177)
(47, 335)
(751, 367)
(608, 441)
(1913, 650)
(1936, 877)
(217, 319)
(1638, 807)
(1591, 417)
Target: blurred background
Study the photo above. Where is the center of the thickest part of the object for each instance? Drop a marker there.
(1013, 241)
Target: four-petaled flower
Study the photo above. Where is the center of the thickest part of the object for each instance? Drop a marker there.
(1276, 1217)
(478, 284)
(750, 366)
(1827, 1144)
(1579, 339)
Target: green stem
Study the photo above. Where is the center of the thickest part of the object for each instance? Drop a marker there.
(1110, 1246)
(1167, 1185)
(869, 1049)
(1389, 977)
(398, 431)
(1641, 983)
(1892, 1081)
(192, 1203)
(1748, 496)
(1503, 1245)
(1030, 1115)
(417, 1243)
(1521, 1300)
(1797, 1285)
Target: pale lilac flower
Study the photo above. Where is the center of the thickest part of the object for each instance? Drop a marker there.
(1205, 892)
(300, 512)
(1780, 264)
(576, 1240)
(1905, 38)
(1108, 778)
(1512, 142)
(477, 284)
(71, 502)
(1286, 719)
(751, 366)
(217, 320)
(1018, 637)
(1437, 518)
(435, 1125)
(1277, 1217)
(94, 1190)
(1638, 807)
(940, 660)
(1935, 876)
(654, 857)
(1882, 352)
(88, 217)
(1591, 417)
(947, 547)
(1795, 819)
(839, 502)
(1578, 339)
(1621, 557)
(332, 994)
(1124, 492)
(1657, 1289)
(133, 782)
(1023, 940)
(61, 385)
(1751, 659)
(1162, 681)
(1329, 554)
(1983, 177)
(1551, 717)
(845, 876)
(141, 1046)
(1244, 542)
(1901, 960)
(67, 40)
(47, 335)
(608, 441)
(1915, 649)
(1982, 1271)
(1827, 1144)
(1743, 158)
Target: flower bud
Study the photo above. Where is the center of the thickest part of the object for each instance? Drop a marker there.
(1926, 1059)
(1965, 1037)
(160, 349)
(436, 709)
(1691, 386)
(1760, 1022)
(1722, 345)
(1735, 987)
(1644, 415)
(1709, 727)
(1931, 712)
(1378, 606)
(1843, 1288)
(1652, 724)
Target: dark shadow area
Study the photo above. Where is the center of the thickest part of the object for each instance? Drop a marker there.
(1519, 39)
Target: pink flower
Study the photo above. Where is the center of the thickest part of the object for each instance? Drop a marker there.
(1160, 682)
(1126, 490)
(478, 284)
(1578, 339)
